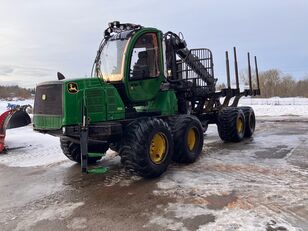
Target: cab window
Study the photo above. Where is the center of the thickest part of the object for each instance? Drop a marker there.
(145, 58)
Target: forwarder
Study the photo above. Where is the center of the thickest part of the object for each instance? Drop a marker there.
(150, 99)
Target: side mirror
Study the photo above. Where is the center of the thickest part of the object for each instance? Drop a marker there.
(60, 76)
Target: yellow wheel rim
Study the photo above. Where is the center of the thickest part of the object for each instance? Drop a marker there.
(191, 138)
(158, 148)
(239, 125)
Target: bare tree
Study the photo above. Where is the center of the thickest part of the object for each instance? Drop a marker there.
(14, 91)
(274, 83)
(302, 87)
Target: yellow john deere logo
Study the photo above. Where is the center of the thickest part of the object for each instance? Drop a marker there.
(72, 88)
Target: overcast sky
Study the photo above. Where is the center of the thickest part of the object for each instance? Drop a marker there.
(40, 37)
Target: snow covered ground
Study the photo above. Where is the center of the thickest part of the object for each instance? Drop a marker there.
(28, 148)
(275, 107)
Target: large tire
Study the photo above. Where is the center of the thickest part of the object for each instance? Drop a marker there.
(72, 150)
(188, 138)
(147, 147)
(231, 124)
(115, 146)
(250, 121)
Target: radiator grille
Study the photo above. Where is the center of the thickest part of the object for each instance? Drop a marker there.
(49, 99)
(95, 100)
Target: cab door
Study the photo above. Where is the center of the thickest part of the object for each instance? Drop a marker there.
(145, 73)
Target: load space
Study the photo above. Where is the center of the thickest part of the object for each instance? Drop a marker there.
(150, 99)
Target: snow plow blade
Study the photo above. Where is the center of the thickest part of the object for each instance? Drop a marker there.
(18, 119)
(12, 119)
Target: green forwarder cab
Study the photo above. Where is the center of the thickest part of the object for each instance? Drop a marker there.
(148, 100)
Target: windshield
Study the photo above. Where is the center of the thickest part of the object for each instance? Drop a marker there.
(111, 60)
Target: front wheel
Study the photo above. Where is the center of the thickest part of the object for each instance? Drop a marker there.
(72, 150)
(147, 147)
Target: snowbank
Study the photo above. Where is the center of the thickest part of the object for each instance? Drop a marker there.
(275, 107)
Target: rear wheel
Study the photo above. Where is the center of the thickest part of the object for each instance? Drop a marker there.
(147, 147)
(188, 138)
(72, 150)
(231, 124)
(250, 121)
